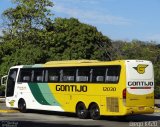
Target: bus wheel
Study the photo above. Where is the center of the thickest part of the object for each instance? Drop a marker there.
(94, 111)
(81, 111)
(22, 106)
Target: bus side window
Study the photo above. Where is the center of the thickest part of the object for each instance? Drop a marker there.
(38, 75)
(83, 74)
(53, 78)
(99, 78)
(26, 79)
(99, 74)
(112, 74)
(53, 75)
(69, 74)
(25, 75)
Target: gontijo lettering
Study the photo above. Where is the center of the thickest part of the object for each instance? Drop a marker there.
(140, 83)
(71, 88)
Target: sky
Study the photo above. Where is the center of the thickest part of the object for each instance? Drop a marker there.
(117, 19)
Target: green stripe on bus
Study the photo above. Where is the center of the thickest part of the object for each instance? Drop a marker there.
(43, 94)
(27, 66)
(32, 66)
(47, 94)
(37, 65)
(37, 93)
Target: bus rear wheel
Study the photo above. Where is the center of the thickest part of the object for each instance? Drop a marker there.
(94, 111)
(22, 106)
(81, 111)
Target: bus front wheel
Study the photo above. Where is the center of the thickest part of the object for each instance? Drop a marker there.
(22, 106)
(81, 111)
(94, 111)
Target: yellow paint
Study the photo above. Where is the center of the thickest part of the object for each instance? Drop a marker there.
(8, 111)
(141, 68)
(140, 100)
(81, 63)
(95, 93)
(157, 110)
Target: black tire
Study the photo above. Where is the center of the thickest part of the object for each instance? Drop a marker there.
(81, 111)
(22, 106)
(94, 111)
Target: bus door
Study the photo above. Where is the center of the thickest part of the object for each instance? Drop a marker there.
(140, 83)
(11, 82)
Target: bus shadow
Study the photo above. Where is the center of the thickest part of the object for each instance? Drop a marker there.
(132, 118)
(41, 124)
(67, 114)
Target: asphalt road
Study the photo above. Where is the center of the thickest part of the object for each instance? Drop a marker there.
(57, 119)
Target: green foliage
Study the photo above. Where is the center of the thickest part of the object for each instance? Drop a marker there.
(23, 36)
(157, 92)
(27, 14)
(30, 37)
(136, 50)
(75, 40)
(2, 89)
(140, 50)
(157, 73)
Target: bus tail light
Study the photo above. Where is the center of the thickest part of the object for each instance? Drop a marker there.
(124, 93)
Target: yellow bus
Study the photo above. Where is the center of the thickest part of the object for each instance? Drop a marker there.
(90, 88)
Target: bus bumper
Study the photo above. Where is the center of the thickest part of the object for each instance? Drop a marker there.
(139, 110)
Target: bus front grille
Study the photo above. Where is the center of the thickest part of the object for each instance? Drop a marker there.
(112, 104)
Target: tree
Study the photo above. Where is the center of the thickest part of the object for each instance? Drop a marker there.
(136, 50)
(31, 36)
(2, 90)
(75, 40)
(28, 14)
(24, 33)
(26, 20)
(140, 50)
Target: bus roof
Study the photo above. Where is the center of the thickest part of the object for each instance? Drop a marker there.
(81, 63)
(76, 62)
(72, 61)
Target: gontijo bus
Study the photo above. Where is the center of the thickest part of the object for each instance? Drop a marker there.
(86, 87)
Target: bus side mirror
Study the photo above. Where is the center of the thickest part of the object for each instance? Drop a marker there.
(4, 80)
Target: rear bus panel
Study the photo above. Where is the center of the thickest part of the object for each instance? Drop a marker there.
(140, 87)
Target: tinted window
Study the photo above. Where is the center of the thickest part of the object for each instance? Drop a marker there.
(52, 75)
(25, 75)
(83, 74)
(112, 74)
(38, 75)
(99, 74)
(31, 75)
(11, 82)
(69, 75)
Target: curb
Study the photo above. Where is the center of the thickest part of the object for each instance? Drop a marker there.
(8, 111)
(156, 110)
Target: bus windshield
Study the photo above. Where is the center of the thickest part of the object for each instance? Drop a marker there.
(11, 82)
